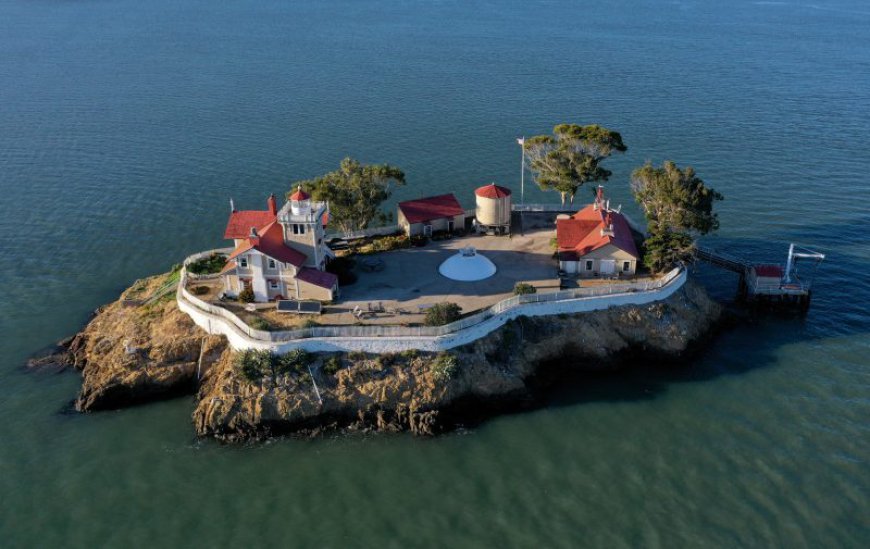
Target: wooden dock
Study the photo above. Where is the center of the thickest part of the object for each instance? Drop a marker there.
(767, 282)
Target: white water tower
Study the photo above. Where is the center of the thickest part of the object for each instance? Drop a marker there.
(493, 211)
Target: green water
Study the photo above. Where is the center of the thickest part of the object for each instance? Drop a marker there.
(125, 128)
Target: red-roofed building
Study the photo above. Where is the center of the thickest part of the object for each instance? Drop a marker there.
(240, 222)
(280, 254)
(596, 241)
(424, 216)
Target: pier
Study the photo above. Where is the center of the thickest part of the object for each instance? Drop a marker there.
(769, 282)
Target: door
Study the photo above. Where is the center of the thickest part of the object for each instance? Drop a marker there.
(427, 230)
(608, 266)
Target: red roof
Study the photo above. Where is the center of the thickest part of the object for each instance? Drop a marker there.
(773, 271)
(318, 278)
(582, 233)
(270, 241)
(433, 207)
(492, 191)
(240, 223)
(299, 194)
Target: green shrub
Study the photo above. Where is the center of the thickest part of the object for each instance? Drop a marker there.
(207, 265)
(389, 243)
(332, 365)
(260, 324)
(253, 365)
(356, 356)
(444, 367)
(442, 313)
(199, 290)
(410, 354)
(521, 288)
(295, 361)
(310, 323)
(247, 295)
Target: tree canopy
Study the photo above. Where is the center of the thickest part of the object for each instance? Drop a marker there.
(355, 192)
(571, 157)
(678, 206)
(674, 199)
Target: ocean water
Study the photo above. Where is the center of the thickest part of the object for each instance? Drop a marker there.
(125, 128)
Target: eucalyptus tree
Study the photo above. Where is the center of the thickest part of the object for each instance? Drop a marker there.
(571, 157)
(355, 193)
(678, 207)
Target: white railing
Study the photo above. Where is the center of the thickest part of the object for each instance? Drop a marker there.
(545, 207)
(416, 331)
(374, 231)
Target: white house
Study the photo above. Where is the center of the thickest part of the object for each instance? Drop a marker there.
(280, 254)
(596, 241)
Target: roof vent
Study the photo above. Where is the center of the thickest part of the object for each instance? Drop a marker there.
(254, 232)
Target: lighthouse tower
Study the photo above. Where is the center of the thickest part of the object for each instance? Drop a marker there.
(303, 223)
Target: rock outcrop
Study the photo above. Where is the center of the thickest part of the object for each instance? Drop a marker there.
(143, 348)
(139, 349)
(410, 391)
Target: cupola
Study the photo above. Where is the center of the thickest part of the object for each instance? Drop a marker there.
(300, 202)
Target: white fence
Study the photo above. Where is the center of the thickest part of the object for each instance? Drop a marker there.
(270, 339)
(374, 231)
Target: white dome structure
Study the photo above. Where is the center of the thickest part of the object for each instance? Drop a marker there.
(467, 266)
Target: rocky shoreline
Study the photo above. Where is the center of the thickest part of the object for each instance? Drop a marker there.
(133, 352)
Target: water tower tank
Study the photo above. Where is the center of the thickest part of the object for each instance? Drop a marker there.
(493, 205)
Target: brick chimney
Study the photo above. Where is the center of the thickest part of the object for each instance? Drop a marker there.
(272, 204)
(607, 229)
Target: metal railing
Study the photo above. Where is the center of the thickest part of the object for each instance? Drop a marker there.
(416, 331)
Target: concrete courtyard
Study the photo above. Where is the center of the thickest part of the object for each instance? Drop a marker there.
(410, 281)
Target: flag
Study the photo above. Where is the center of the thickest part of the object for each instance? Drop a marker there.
(521, 140)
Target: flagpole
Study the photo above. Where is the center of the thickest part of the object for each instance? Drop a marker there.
(522, 142)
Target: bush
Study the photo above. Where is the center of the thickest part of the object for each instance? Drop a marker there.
(310, 323)
(295, 361)
(521, 288)
(260, 324)
(253, 365)
(410, 354)
(442, 313)
(247, 295)
(419, 241)
(207, 265)
(356, 356)
(389, 243)
(445, 367)
(199, 290)
(332, 365)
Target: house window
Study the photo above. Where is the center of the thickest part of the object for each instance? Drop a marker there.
(272, 264)
(243, 262)
(298, 229)
(626, 266)
(273, 284)
(589, 265)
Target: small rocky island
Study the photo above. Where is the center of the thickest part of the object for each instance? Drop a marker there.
(440, 320)
(133, 353)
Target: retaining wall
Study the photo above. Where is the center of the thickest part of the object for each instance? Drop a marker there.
(382, 339)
